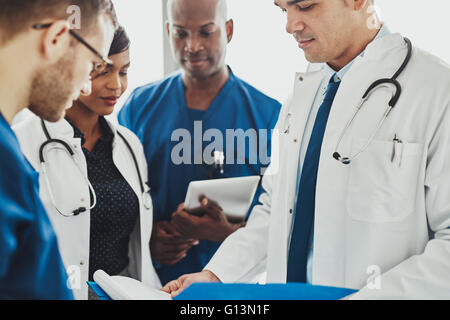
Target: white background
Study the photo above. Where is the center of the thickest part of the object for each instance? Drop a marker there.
(261, 52)
(266, 56)
(143, 22)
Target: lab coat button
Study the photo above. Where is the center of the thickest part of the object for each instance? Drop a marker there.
(81, 263)
(300, 78)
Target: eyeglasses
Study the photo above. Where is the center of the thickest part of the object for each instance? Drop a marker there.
(99, 66)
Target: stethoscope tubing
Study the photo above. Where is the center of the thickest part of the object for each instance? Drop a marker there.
(144, 188)
(392, 103)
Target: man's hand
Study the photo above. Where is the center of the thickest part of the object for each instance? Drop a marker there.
(167, 245)
(208, 222)
(175, 287)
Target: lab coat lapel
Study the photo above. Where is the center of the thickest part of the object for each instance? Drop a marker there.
(305, 89)
(381, 60)
(140, 259)
(125, 163)
(60, 129)
(291, 132)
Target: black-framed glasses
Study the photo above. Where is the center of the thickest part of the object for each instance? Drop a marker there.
(98, 67)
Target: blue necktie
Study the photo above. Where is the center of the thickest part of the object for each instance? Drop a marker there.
(304, 214)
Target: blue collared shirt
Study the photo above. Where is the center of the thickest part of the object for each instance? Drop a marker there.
(328, 72)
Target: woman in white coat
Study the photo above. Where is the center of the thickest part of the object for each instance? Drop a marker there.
(97, 199)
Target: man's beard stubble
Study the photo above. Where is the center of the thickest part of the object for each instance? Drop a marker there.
(51, 90)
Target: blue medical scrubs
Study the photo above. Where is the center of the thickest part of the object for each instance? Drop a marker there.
(156, 111)
(30, 263)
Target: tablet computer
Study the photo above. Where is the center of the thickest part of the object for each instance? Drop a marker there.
(233, 195)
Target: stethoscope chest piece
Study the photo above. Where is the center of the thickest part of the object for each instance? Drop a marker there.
(147, 199)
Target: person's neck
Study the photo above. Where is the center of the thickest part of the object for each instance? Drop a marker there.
(200, 92)
(84, 119)
(15, 85)
(217, 80)
(355, 49)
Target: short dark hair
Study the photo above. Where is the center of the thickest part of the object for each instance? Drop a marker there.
(17, 16)
(120, 43)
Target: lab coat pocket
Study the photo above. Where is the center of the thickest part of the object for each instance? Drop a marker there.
(382, 182)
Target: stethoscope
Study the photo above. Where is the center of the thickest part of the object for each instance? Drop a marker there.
(216, 170)
(379, 83)
(146, 198)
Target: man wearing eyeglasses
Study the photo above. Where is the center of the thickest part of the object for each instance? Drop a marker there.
(44, 66)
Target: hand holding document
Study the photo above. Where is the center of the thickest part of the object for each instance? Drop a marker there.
(124, 288)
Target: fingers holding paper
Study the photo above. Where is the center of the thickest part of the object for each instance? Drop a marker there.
(175, 287)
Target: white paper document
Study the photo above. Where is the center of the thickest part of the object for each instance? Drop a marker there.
(124, 288)
(234, 195)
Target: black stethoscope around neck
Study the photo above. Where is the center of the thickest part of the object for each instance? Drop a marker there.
(145, 190)
(392, 103)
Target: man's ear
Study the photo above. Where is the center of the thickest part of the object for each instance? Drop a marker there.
(229, 26)
(360, 4)
(356, 4)
(55, 40)
(168, 28)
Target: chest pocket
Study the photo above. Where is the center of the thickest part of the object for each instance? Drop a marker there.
(382, 188)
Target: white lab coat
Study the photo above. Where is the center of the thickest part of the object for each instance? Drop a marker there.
(373, 217)
(71, 191)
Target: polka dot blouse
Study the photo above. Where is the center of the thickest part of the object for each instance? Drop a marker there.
(115, 215)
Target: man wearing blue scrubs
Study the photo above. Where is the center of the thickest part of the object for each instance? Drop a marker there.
(183, 119)
(57, 69)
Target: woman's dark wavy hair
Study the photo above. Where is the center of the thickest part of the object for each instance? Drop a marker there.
(121, 42)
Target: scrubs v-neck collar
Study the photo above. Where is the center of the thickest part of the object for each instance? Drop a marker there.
(217, 102)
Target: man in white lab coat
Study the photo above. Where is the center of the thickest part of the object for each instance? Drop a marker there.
(361, 204)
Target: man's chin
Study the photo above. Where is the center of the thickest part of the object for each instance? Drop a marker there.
(312, 58)
(48, 115)
(54, 118)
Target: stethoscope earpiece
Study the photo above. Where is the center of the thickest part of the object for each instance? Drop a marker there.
(338, 157)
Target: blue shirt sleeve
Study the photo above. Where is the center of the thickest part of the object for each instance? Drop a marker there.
(125, 115)
(30, 263)
(276, 107)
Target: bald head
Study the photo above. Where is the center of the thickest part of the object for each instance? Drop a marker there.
(199, 32)
(176, 7)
